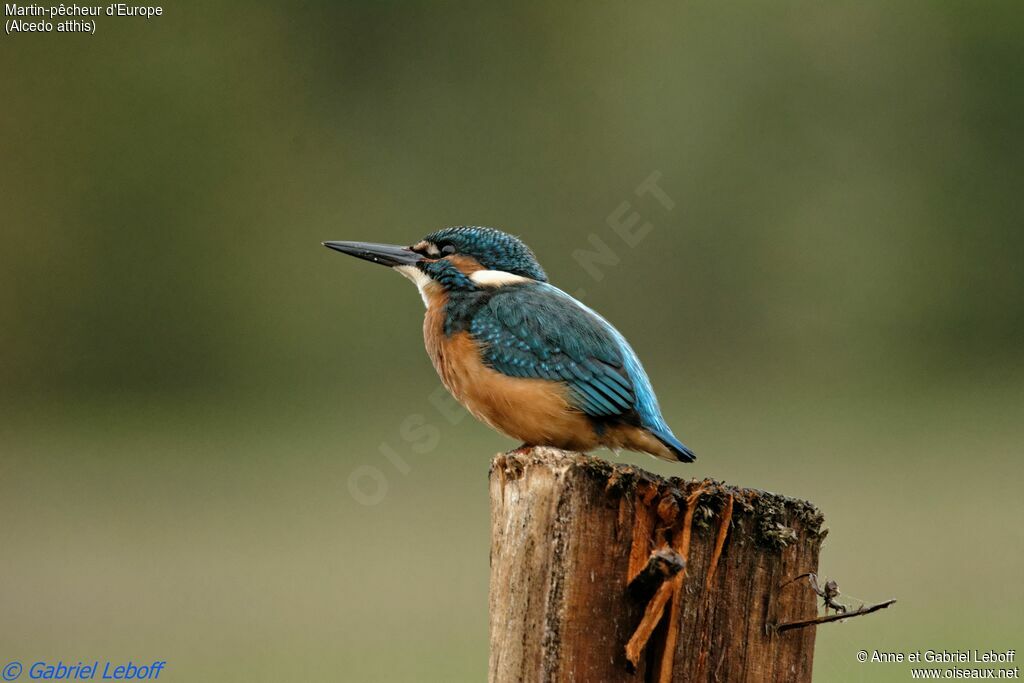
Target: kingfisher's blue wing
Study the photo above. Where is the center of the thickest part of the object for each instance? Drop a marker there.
(538, 331)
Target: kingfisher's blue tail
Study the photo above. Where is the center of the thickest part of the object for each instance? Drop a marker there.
(678, 448)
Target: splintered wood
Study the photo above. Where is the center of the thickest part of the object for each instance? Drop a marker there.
(604, 572)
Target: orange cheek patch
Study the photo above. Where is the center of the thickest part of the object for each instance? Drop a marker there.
(467, 265)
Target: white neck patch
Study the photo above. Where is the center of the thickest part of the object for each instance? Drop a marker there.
(484, 278)
(496, 278)
(419, 278)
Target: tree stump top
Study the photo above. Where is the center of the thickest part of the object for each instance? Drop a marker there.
(607, 572)
(768, 511)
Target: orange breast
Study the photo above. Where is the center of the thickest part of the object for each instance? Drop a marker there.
(534, 411)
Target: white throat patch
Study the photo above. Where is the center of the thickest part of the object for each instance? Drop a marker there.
(419, 278)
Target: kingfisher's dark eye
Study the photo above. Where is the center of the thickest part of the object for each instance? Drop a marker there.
(447, 250)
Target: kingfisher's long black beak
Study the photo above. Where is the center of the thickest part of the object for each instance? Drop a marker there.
(385, 254)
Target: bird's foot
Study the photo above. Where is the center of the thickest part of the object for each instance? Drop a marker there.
(522, 450)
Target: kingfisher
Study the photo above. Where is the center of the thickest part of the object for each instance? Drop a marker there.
(520, 354)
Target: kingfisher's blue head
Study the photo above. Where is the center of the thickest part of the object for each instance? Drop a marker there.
(453, 258)
(493, 249)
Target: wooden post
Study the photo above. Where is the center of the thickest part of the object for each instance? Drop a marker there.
(603, 572)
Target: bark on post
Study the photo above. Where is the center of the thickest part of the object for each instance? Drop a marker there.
(603, 572)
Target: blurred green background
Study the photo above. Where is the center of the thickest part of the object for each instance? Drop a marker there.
(190, 385)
